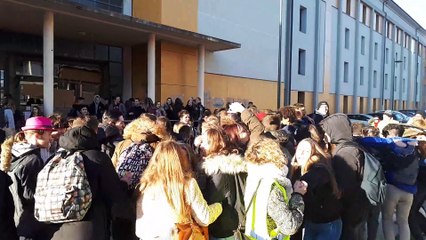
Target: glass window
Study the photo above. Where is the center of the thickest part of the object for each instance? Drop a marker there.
(302, 19)
(376, 49)
(302, 62)
(346, 72)
(386, 81)
(374, 79)
(347, 35)
(361, 76)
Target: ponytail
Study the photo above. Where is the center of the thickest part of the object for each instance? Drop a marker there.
(6, 150)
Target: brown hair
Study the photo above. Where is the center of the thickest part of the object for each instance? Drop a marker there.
(266, 151)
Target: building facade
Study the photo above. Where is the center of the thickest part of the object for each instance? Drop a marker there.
(360, 56)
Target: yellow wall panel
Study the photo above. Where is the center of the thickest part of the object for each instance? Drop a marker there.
(176, 13)
(178, 72)
(178, 65)
(180, 14)
(221, 89)
(148, 10)
(139, 71)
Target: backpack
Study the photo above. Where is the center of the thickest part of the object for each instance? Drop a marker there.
(373, 180)
(3, 121)
(63, 192)
(133, 160)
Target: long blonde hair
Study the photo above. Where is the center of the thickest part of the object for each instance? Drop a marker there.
(6, 147)
(170, 169)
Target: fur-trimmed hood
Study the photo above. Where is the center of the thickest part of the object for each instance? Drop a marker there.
(269, 170)
(228, 164)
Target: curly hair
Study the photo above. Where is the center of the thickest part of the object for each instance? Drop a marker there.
(265, 151)
(145, 125)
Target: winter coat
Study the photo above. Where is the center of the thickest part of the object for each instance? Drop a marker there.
(25, 165)
(96, 109)
(104, 184)
(223, 174)
(156, 219)
(7, 208)
(270, 202)
(347, 165)
(255, 126)
(401, 164)
(127, 210)
(120, 107)
(321, 204)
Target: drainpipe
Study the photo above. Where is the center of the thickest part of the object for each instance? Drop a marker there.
(289, 57)
(382, 93)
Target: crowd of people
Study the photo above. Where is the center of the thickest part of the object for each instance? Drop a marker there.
(156, 170)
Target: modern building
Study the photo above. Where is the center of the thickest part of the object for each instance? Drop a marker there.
(358, 55)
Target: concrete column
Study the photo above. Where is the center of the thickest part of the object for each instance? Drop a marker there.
(151, 67)
(48, 63)
(201, 70)
(127, 73)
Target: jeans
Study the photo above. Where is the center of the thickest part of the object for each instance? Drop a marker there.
(323, 231)
(416, 220)
(227, 238)
(399, 200)
(373, 222)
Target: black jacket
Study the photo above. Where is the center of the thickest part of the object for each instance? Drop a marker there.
(104, 184)
(226, 184)
(321, 205)
(347, 165)
(7, 226)
(25, 166)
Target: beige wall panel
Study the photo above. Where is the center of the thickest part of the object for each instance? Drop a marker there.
(330, 99)
(180, 14)
(148, 10)
(178, 65)
(222, 89)
(293, 97)
(174, 91)
(309, 100)
(350, 107)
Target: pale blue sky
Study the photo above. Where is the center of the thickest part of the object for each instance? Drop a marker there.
(415, 8)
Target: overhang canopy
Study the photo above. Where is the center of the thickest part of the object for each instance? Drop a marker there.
(73, 21)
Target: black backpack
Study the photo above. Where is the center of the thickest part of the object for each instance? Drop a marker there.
(373, 180)
(3, 121)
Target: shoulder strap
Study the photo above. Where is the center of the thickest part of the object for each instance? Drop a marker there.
(255, 192)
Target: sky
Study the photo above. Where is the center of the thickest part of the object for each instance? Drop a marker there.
(415, 8)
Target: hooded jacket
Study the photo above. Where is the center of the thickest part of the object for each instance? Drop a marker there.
(225, 184)
(25, 165)
(7, 226)
(288, 217)
(126, 210)
(347, 163)
(104, 184)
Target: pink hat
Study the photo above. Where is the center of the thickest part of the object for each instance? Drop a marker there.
(38, 123)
